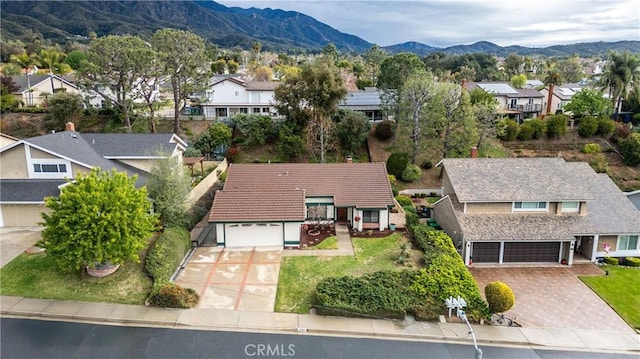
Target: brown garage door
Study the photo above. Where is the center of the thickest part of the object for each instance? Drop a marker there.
(531, 252)
(486, 252)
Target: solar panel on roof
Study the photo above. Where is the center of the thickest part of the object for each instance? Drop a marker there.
(497, 88)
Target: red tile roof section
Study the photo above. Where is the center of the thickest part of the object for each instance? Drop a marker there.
(363, 185)
(245, 206)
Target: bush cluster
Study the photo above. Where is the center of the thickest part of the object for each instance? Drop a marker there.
(588, 126)
(30, 110)
(404, 200)
(385, 130)
(411, 173)
(396, 163)
(426, 164)
(611, 260)
(630, 149)
(499, 297)
(591, 148)
(169, 295)
(556, 126)
(606, 127)
(632, 261)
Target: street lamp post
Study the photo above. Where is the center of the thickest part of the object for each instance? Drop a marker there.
(458, 304)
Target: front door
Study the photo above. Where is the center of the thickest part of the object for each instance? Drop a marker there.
(342, 215)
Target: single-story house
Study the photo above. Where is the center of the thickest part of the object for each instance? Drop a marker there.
(534, 210)
(269, 204)
(367, 102)
(33, 90)
(34, 168)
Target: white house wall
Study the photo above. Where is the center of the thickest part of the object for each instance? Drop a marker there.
(292, 234)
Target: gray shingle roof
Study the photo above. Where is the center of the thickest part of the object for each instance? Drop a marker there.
(130, 144)
(634, 197)
(23, 82)
(361, 98)
(527, 93)
(28, 190)
(230, 206)
(517, 179)
(609, 211)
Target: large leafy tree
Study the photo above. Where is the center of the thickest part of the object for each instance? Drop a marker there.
(114, 67)
(456, 121)
(620, 76)
(310, 99)
(184, 56)
(99, 218)
(373, 59)
(588, 103)
(395, 70)
(64, 107)
(168, 187)
(351, 128)
(416, 94)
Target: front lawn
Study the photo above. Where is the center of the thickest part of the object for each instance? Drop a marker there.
(620, 290)
(35, 276)
(300, 275)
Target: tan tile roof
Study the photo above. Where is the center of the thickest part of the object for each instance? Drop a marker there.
(245, 206)
(262, 85)
(363, 185)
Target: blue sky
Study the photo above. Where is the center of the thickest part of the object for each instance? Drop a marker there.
(444, 23)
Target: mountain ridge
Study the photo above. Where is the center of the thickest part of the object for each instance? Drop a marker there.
(276, 29)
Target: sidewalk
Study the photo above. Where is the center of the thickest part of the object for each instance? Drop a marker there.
(218, 319)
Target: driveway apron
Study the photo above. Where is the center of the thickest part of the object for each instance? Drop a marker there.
(233, 279)
(554, 297)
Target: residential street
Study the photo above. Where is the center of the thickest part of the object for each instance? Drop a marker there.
(23, 338)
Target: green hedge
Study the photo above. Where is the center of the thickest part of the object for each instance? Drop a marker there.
(166, 254)
(404, 200)
(380, 295)
(632, 261)
(611, 260)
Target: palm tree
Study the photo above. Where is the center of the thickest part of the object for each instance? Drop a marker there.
(49, 59)
(25, 60)
(552, 79)
(620, 75)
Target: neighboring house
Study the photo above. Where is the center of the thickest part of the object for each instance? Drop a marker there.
(634, 197)
(534, 210)
(268, 204)
(562, 95)
(36, 167)
(518, 104)
(227, 96)
(6, 140)
(367, 101)
(33, 90)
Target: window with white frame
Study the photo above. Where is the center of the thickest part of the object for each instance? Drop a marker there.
(370, 216)
(570, 207)
(49, 168)
(627, 243)
(529, 206)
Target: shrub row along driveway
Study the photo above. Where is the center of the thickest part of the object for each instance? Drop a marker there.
(554, 297)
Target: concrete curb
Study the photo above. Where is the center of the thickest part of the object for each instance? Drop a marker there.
(305, 324)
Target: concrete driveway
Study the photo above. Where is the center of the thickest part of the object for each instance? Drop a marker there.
(236, 279)
(553, 297)
(15, 240)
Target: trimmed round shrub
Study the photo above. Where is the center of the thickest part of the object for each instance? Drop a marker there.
(385, 130)
(588, 126)
(404, 200)
(426, 164)
(632, 261)
(556, 126)
(630, 149)
(611, 261)
(499, 297)
(396, 163)
(606, 127)
(591, 148)
(169, 295)
(539, 128)
(526, 132)
(411, 173)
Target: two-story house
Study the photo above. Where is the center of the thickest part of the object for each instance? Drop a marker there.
(227, 96)
(534, 210)
(34, 90)
(34, 168)
(367, 102)
(518, 104)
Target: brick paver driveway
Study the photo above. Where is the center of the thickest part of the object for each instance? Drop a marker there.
(233, 279)
(553, 297)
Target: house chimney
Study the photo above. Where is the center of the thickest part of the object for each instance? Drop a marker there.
(69, 126)
(474, 152)
(349, 159)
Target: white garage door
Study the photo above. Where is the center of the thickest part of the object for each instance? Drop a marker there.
(254, 235)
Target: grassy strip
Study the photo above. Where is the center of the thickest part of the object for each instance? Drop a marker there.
(35, 276)
(620, 290)
(300, 275)
(327, 243)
